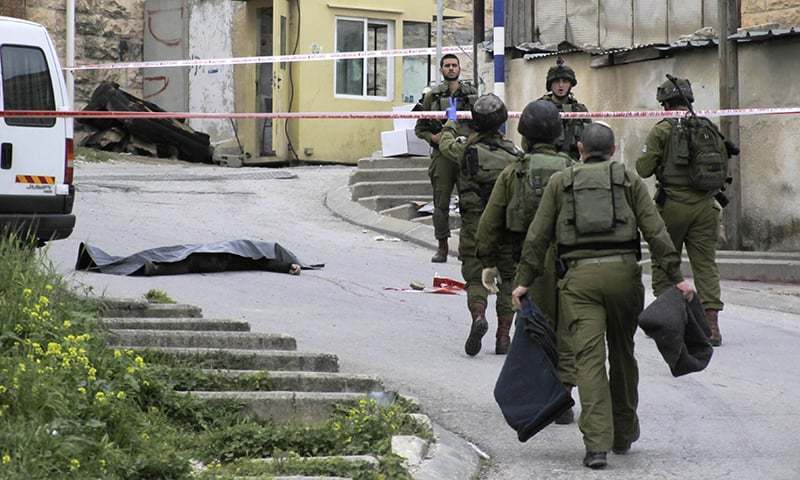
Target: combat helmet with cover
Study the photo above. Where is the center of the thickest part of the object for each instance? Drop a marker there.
(677, 89)
(540, 122)
(560, 71)
(488, 113)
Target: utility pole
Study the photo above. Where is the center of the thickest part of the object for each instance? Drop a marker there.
(478, 36)
(439, 35)
(70, 53)
(729, 18)
(499, 34)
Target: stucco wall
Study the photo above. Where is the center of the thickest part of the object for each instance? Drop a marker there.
(771, 200)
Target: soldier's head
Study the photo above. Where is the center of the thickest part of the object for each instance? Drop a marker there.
(450, 67)
(561, 79)
(540, 122)
(675, 93)
(597, 140)
(488, 113)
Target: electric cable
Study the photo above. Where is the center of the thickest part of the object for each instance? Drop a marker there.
(292, 151)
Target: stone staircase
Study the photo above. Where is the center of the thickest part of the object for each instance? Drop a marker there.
(396, 187)
(304, 387)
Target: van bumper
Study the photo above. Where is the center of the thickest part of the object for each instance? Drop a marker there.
(43, 226)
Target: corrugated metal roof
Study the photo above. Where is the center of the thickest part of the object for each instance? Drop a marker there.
(762, 35)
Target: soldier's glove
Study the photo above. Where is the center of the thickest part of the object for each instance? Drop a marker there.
(490, 278)
(452, 109)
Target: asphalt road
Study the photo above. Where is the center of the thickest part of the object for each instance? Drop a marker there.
(736, 420)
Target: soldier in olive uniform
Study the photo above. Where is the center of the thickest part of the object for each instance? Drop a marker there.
(479, 158)
(560, 81)
(508, 215)
(595, 210)
(443, 173)
(685, 200)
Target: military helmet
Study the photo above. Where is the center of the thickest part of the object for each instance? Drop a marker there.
(488, 113)
(669, 91)
(561, 70)
(540, 122)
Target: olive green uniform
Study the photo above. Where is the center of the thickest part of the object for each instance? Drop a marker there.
(692, 218)
(498, 230)
(442, 172)
(601, 293)
(568, 141)
(471, 205)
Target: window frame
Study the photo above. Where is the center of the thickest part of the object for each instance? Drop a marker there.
(390, 61)
(12, 121)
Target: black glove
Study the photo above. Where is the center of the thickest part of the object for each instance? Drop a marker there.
(733, 150)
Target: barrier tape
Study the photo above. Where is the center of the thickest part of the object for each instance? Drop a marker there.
(309, 57)
(741, 112)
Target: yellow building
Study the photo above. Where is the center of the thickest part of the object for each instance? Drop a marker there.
(276, 27)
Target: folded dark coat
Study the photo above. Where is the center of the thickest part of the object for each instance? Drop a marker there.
(233, 255)
(528, 390)
(679, 330)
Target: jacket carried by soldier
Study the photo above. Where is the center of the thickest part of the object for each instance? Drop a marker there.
(568, 141)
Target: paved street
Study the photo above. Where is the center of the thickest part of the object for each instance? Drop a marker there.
(736, 420)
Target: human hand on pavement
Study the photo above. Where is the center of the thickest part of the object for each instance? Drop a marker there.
(686, 289)
(516, 297)
(452, 109)
(490, 277)
(294, 269)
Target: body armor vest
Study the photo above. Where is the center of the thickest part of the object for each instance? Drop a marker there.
(531, 175)
(483, 162)
(695, 156)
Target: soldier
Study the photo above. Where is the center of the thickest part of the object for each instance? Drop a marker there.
(689, 159)
(595, 210)
(480, 158)
(443, 173)
(508, 215)
(560, 80)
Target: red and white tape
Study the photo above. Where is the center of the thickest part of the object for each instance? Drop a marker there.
(741, 112)
(309, 57)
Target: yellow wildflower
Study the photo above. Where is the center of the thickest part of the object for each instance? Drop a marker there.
(53, 348)
(48, 287)
(44, 300)
(121, 395)
(100, 397)
(6, 459)
(27, 292)
(139, 361)
(74, 464)
(82, 390)
(3, 389)
(67, 323)
(117, 354)
(131, 370)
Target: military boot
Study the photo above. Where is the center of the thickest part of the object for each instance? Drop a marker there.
(712, 318)
(502, 338)
(477, 330)
(441, 252)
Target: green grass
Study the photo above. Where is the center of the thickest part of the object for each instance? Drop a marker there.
(158, 296)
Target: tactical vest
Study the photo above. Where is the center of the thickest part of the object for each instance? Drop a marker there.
(568, 140)
(695, 156)
(595, 213)
(482, 163)
(531, 175)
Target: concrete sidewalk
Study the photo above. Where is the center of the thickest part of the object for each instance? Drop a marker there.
(765, 280)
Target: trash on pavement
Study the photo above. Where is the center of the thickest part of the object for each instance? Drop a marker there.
(232, 255)
(441, 285)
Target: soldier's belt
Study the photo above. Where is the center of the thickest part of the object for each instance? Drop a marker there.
(625, 257)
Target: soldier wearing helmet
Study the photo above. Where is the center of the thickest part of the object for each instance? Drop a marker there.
(479, 158)
(689, 158)
(560, 81)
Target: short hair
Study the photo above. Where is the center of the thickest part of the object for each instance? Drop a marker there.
(446, 56)
(598, 139)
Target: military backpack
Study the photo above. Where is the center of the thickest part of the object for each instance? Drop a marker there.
(483, 162)
(695, 155)
(531, 175)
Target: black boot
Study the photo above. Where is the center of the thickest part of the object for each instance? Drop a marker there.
(595, 460)
(441, 253)
(477, 330)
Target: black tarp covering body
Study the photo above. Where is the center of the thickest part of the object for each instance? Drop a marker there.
(679, 330)
(528, 390)
(232, 255)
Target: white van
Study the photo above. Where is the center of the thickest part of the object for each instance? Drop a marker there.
(36, 153)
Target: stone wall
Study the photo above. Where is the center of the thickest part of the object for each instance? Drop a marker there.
(458, 31)
(107, 31)
(12, 8)
(783, 12)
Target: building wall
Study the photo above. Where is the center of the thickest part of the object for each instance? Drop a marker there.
(771, 199)
(759, 12)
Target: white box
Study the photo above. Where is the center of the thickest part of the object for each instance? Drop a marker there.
(404, 123)
(403, 142)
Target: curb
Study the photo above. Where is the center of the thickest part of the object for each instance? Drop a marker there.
(450, 456)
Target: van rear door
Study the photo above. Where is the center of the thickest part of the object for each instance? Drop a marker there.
(33, 149)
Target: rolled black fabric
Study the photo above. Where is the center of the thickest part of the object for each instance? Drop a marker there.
(233, 255)
(679, 330)
(528, 390)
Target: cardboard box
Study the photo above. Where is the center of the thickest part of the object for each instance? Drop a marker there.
(403, 142)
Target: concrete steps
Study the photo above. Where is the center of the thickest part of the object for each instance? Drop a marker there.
(233, 359)
(455, 221)
(389, 175)
(153, 310)
(313, 381)
(188, 324)
(369, 189)
(394, 162)
(188, 339)
(381, 203)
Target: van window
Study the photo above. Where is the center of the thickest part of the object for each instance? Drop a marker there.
(26, 84)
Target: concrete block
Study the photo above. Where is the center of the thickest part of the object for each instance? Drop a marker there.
(152, 310)
(403, 212)
(368, 189)
(271, 360)
(389, 175)
(455, 220)
(183, 339)
(368, 460)
(412, 448)
(315, 381)
(383, 202)
(422, 420)
(286, 407)
(187, 324)
(394, 162)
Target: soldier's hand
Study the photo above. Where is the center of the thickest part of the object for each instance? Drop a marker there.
(452, 109)
(686, 289)
(516, 297)
(490, 277)
(435, 138)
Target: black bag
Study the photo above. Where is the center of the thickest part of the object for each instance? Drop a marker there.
(679, 330)
(528, 390)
